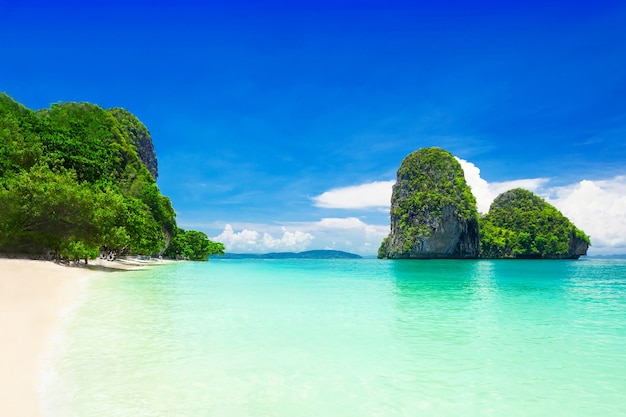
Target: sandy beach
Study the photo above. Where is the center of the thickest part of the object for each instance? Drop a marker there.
(33, 295)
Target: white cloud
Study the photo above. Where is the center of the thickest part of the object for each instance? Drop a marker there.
(251, 241)
(342, 223)
(368, 195)
(378, 193)
(289, 241)
(596, 207)
(354, 224)
(486, 192)
(348, 234)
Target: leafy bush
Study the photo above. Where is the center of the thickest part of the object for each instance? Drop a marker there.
(193, 245)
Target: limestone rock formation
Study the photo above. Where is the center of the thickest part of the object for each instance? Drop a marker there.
(433, 211)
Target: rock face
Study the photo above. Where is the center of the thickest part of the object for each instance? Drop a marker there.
(577, 247)
(521, 224)
(433, 212)
(140, 137)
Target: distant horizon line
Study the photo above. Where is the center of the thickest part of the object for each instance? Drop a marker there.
(616, 256)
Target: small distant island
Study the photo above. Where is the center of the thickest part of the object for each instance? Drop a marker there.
(310, 254)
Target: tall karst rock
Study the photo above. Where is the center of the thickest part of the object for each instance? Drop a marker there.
(433, 211)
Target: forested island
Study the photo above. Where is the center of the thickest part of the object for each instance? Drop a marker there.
(77, 181)
(433, 215)
(520, 224)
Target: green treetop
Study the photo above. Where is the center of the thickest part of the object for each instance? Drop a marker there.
(193, 245)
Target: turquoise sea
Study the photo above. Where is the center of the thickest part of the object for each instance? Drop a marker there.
(348, 338)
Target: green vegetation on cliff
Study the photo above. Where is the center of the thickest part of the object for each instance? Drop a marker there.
(140, 137)
(522, 225)
(428, 180)
(434, 179)
(72, 183)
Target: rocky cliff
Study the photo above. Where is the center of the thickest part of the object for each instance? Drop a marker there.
(433, 212)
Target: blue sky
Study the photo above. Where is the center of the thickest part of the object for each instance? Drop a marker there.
(279, 125)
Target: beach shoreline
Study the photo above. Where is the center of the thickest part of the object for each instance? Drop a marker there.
(35, 296)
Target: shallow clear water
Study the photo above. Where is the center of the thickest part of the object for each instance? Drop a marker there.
(340, 338)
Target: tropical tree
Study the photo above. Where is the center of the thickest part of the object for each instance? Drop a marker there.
(193, 245)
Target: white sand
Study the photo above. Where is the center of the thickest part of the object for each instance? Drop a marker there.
(32, 296)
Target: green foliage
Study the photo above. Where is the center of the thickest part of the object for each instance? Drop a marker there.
(72, 183)
(383, 249)
(86, 139)
(20, 147)
(434, 179)
(139, 137)
(44, 210)
(521, 225)
(193, 245)
(77, 250)
(160, 207)
(146, 235)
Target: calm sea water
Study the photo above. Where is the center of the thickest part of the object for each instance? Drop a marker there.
(341, 338)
